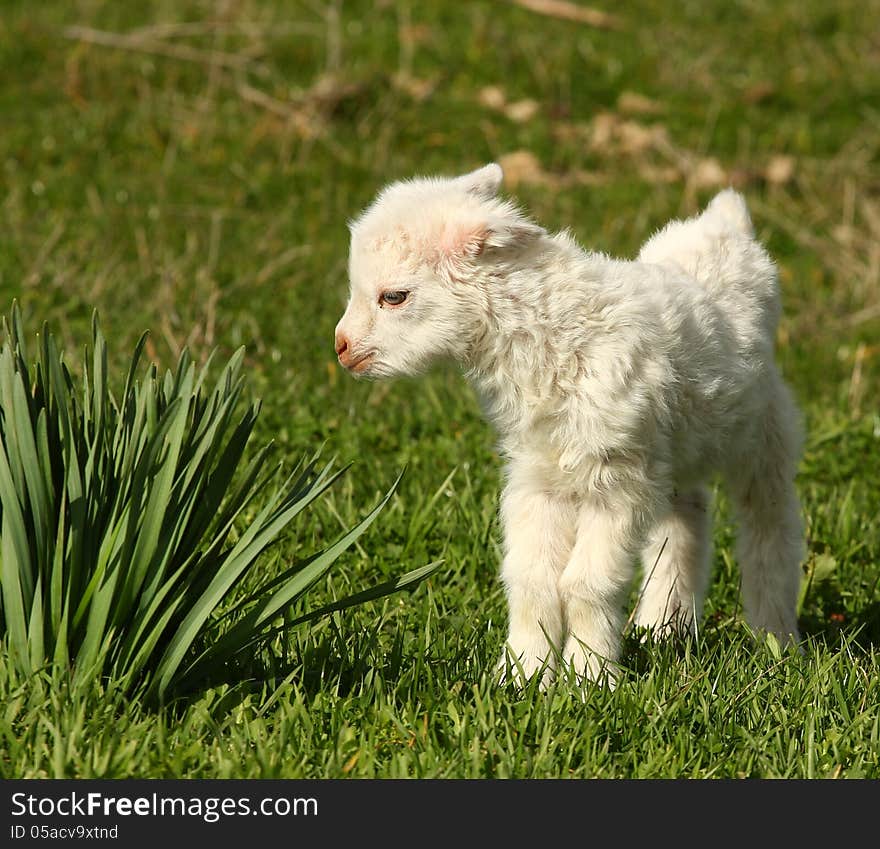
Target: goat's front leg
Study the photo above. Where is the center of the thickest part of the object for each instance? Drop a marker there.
(594, 584)
(538, 536)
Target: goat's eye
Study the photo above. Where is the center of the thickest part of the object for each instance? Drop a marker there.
(393, 299)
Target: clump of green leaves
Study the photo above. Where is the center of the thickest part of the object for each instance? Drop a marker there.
(122, 532)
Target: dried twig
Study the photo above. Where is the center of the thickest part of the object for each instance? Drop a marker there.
(141, 44)
(863, 315)
(571, 12)
(281, 261)
(36, 270)
(855, 381)
(260, 29)
(266, 101)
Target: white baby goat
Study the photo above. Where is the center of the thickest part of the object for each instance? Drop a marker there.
(618, 388)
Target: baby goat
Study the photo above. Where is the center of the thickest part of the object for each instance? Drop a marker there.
(618, 389)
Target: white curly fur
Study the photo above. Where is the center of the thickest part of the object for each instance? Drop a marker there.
(618, 389)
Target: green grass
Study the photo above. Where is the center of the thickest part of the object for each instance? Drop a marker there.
(203, 195)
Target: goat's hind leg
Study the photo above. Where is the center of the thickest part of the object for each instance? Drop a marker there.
(770, 539)
(676, 564)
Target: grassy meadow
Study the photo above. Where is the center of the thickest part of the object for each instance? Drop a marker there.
(188, 168)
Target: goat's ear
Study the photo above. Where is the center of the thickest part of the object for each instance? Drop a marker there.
(507, 227)
(462, 239)
(484, 182)
(503, 228)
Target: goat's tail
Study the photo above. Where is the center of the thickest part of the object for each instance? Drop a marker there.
(719, 249)
(729, 207)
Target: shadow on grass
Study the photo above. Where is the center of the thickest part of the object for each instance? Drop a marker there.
(345, 664)
(643, 650)
(331, 664)
(860, 632)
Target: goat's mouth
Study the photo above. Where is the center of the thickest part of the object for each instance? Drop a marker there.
(361, 364)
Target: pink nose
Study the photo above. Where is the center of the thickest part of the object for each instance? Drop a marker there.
(343, 350)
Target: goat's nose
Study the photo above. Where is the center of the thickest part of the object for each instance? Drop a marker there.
(341, 344)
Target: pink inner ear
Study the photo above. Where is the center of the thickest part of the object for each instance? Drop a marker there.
(463, 239)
